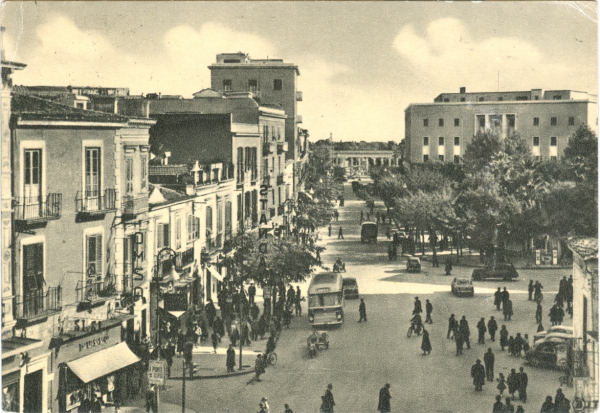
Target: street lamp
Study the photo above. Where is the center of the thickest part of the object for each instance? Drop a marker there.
(163, 255)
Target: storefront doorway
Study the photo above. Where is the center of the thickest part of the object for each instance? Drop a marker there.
(32, 399)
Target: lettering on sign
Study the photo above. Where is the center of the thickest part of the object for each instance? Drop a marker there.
(97, 341)
(157, 371)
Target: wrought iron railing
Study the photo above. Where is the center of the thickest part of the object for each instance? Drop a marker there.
(184, 258)
(96, 288)
(96, 201)
(38, 208)
(38, 303)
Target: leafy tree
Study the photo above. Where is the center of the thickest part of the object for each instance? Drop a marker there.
(481, 150)
(581, 155)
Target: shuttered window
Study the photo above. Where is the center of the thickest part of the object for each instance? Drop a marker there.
(33, 267)
(94, 256)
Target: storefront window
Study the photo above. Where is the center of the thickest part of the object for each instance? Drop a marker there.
(10, 393)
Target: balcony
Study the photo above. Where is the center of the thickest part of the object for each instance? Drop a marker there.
(96, 289)
(210, 245)
(184, 258)
(298, 96)
(280, 180)
(36, 210)
(268, 148)
(134, 205)
(37, 304)
(282, 147)
(95, 203)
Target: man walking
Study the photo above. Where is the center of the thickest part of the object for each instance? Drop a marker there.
(341, 233)
(329, 230)
(498, 299)
(464, 331)
(458, 338)
(488, 361)
(481, 330)
(452, 324)
(417, 309)
(362, 310)
(503, 337)
(530, 290)
(384, 399)
(538, 313)
(428, 310)
(492, 328)
(523, 380)
(298, 301)
(230, 359)
(505, 296)
(327, 401)
(251, 293)
(507, 309)
(478, 374)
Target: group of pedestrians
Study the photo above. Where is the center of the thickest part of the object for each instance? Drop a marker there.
(560, 405)
(502, 300)
(460, 332)
(328, 401)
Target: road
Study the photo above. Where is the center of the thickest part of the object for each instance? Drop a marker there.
(364, 356)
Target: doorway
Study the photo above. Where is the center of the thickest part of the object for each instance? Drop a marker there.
(32, 399)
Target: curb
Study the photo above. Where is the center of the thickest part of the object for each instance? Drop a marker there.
(520, 267)
(215, 376)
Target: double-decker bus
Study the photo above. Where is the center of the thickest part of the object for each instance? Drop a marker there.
(325, 299)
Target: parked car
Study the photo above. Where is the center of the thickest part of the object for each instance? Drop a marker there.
(504, 272)
(549, 354)
(462, 287)
(350, 287)
(368, 232)
(413, 264)
(558, 332)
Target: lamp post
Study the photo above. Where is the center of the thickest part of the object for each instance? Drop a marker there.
(164, 254)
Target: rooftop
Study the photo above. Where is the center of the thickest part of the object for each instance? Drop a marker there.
(168, 170)
(165, 196)
(585, 247)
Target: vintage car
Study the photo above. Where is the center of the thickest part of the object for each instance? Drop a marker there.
(413, 264)
(350, 287)
(554, 332)
(506, 272)
(549, 354)
(368, 232)
(462, 287)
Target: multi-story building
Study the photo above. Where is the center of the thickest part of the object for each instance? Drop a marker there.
(271, 81)
(441, 130)
(78, 178)
(585, 320)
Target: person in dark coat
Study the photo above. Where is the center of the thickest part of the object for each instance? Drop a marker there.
(523, 381)
(538, 313)
(150, 400)
(452, 325)
(329, 230)
(498, 299)
(520, 409)
(481, 329)
(513, 383)
(492, 327)
(478, 374)
(540, 328)
(96, 406)
(211, 312)
(464, 331)
(251, 293)
(448, 266)
(362, 310)
(341, 233)
(417, 309)
(505, 296)
(507, 310)
(459, 342)
(547, 406)
(327, 402)
(530, 290)
(230, 363)
(488, 360)
(498, 406)
(428, 311)
(509, 407)
(503, 337)
(425, 343)
(384, 399)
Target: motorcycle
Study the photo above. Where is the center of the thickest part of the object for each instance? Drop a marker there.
(339, 267)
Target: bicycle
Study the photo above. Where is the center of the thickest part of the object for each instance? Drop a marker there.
(417, 329)
(271, 358)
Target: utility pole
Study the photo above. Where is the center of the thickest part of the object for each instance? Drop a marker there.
(183, 389)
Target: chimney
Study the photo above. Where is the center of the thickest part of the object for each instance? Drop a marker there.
(463, 89)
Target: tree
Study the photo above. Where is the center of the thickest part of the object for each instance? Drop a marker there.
(481, 150)
(581, 155)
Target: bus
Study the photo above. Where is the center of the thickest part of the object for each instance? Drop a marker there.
(325, 299)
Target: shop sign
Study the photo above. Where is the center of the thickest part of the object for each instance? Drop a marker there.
(94, 342)
(554, 256)
(157, 372)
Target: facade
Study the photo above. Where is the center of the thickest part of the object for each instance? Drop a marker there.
(585, 319)
(442, 130)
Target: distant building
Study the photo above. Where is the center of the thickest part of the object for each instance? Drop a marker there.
(441, 130)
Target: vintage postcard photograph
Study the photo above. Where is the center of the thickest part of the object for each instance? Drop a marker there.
(299, 206)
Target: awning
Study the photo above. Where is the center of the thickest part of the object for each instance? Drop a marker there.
(103, 362)
(215, 273)
(176, 314)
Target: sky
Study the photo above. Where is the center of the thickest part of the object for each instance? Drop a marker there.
(361, 63)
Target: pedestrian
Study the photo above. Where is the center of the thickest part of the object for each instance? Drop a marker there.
(547, 406)
(513, 383)
(362, 310)
(341, 233)
(540, 327)
(530, 290)
(417, 309)
(478, 374)
(251, 293)
(215, 341)
(498, 406)
(434, 260)
(509, 407)
(505, 296)
(523, 380)
(150, 400)
(488, 361)
(211, 312)
(230, 363)
(452, 324)
(259, 368)
(459, 341)
(298, 302)
(428, 310)
(526, 346)
(511, 346)
(336, 215)
(503, 337)
(492, 327)
(558, 397)
(464, 331)
(287, 408)
(263, 406)
(498, 299)
(384, 399)
(518, 345)
(501, 383)
(425, 343)
(327, 402)
(520, 409)
(481, 329)
(538, 313)
(507, 310)
(329, 229)
(448, 266)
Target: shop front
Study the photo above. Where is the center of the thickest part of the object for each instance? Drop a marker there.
(97, 368)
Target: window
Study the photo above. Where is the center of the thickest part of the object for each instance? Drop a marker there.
(129, 175)
(277, 84)
(456, 122)
(553, 141)
(522, 98)
(571, 120)
(456, 158)
(252, 85)
(33, 168)
(208, 223)
(481, 99)
(553, 158)
(144, 171)
(441, 157)
(556, 97)
(456, 141)
(33, 267)
(440, 122)
(446, 100)
(227, 85)
(425, 158)
(240, 164)
(193, 228)
(92, 171)
(228, 219)
(510, 120)
(481, 121)
(536, 121)
(536, 141)
(441, 141)
(162, 236)
(425, 122)
(462, 99)
(177, 232)
(500, 99)
(93, 257)
(426, 141)
(553, 121)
